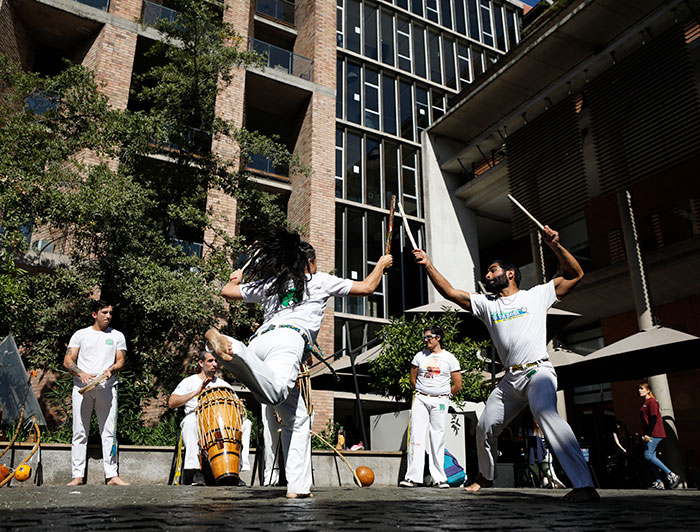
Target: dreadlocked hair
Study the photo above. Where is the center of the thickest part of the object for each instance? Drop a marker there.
(283, 257)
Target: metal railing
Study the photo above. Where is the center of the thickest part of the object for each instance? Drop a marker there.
(152, 13)
(196, 142)
(265, 165)
(97, 4)
(281, 59)
(280, 10)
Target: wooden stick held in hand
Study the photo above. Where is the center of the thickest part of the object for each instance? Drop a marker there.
(406, 227)
(517, 203)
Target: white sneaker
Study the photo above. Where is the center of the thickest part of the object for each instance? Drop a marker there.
(673, 480)
(657, 485)
(442, 485)
(407, 484)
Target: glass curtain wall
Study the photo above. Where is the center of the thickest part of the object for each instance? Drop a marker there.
(399, 61)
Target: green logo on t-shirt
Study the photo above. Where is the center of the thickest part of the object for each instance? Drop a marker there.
(442, 407)
(290, 297)
(109, 341)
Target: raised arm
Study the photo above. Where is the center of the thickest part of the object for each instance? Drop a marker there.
(177, 400)
(371, 282)
(442, 285)
(232, 289)
(571, 270)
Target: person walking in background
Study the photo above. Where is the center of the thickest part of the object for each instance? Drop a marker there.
(653, 428)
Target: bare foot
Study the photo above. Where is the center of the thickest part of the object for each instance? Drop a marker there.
(587, 494)
(479, 483)
(299, 495)
(116, 481)
(77, 481)
(221, 346)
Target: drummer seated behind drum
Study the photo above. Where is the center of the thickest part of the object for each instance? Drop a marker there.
(187, 394)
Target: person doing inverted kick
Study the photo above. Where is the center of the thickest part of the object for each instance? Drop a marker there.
(516, 320)
(293, 294)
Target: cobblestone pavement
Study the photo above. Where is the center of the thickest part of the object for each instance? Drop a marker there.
(420, 509)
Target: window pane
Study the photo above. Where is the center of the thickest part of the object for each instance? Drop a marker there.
(511, 23)
(373, 172)
(370, 31)
(387, 39)
(434, 45)
(477, 62)
(352, 97)
(371, 99)
(417, 7)
(431, 10)
(419, 51)
(352, 25)
(402, 3)
(500, 32)
(406, 99)
(460, 21)
(486, 22)
(463, 65)
(389, 104)
(446, 13)
(391, 171)
(355, 256)
(473, 20)
(339, 88)
(422, 109)
(353, 167)
(448, 51)
(403, 44)
(339, 26)
(339, 251)
(338, 164)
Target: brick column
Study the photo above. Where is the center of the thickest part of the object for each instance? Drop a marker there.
(128, 9)
(230, 105)
(312, 202)
(323, 409)
(14, 41)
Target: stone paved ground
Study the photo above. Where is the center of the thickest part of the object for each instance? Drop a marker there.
(210, 508)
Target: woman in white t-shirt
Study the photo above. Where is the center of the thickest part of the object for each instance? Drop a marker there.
(293, 295)
(435, 375)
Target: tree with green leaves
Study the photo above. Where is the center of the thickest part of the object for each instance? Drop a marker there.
(402, 339)
(123, 194)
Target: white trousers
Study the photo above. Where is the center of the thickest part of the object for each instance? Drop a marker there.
(271, 437)
(269, 367)
(245, 444)
(511, 395)
(428, 421)
(190, 439)
(104, 402)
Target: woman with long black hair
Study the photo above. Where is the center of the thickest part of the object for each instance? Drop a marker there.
(285, 280)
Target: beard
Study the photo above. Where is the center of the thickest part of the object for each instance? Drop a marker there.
(497, 284)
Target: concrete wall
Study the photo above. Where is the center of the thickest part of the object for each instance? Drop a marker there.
(449, 225)
(151, 465)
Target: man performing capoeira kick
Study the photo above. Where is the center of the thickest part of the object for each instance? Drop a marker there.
(516, 320)
(293, 295)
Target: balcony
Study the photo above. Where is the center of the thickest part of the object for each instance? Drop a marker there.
(97, 4)
(265, 166)
(152, 13)
(283, 60)
(278, 10)
(196, 143)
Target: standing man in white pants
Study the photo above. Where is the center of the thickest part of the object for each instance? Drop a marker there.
(187, 394)
(435, 375)
(293, 295)
(516, 320)
(95, 351)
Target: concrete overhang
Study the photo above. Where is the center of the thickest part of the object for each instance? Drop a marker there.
(557, 58)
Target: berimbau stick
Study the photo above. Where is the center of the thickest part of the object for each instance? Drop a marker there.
(390, 229)
(250, 260)
(538, 224)
(94, 383)
(406, 227)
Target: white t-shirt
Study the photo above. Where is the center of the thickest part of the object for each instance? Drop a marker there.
(192, 383)
(434, 371)
(97, 352)
(308, 313)
(517, 323)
